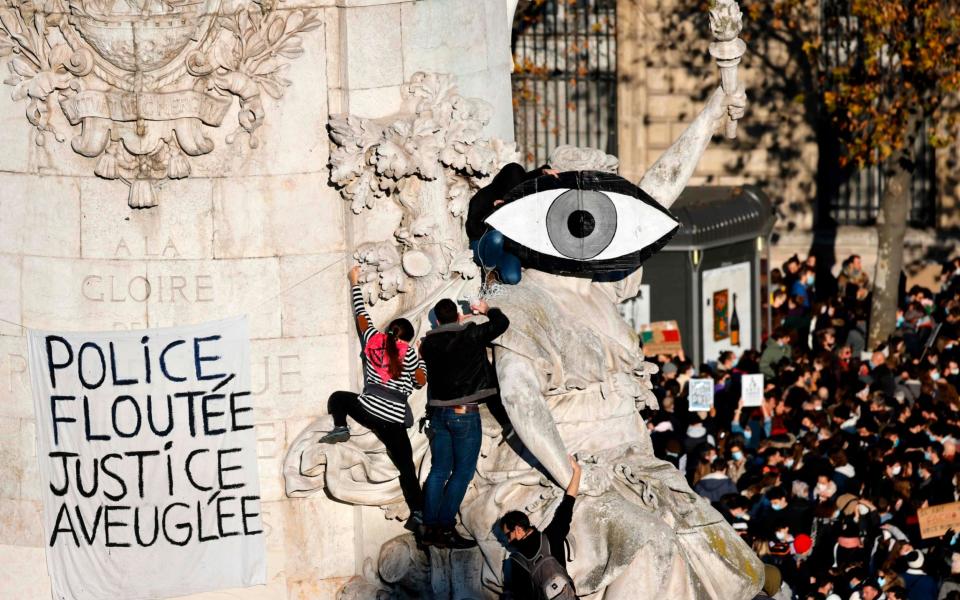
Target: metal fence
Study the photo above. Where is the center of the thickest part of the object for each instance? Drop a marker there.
(565, 76)
(857, 198)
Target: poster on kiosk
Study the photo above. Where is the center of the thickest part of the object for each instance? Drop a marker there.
(727, 309)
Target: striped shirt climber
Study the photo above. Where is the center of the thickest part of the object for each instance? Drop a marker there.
(384, 394)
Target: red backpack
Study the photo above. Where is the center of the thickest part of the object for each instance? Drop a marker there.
(376, 353)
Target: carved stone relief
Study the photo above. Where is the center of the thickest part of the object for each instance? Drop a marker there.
(140, 81)
(429, 158)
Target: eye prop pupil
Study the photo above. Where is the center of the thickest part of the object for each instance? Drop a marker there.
(581, 223)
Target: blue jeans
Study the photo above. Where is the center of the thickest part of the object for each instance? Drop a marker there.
(489, 252)
(454, 450)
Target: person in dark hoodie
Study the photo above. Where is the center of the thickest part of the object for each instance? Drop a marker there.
(486, 242)
(462, 377)
(524, 540)
(716, 484)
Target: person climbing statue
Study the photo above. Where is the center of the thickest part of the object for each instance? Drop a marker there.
(461, 377)
(485, 241)
(537, 565)
(392, 369)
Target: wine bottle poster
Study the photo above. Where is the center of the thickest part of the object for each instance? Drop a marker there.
(727, 309)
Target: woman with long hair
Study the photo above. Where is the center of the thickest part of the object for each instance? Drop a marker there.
(392, 369)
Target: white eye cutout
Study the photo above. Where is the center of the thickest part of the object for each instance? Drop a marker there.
(582, 225)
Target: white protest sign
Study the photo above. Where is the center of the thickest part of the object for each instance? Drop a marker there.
(751, 389)
(700, 395)
(148, 463)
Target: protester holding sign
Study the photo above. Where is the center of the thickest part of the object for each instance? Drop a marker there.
(391, 371)
(843, 453)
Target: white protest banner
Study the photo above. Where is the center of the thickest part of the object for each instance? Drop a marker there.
(751, 389)
(700, 394)
(148, 461)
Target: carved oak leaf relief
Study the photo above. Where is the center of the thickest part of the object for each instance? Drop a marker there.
(429, 159)
(141, 81)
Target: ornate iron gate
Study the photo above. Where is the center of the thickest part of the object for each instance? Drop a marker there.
(565, 76)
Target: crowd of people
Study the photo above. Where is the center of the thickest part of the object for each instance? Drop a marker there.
(826, 478)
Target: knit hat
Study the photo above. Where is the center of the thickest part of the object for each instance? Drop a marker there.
(915, 560)
(669, 368)
(771, 580)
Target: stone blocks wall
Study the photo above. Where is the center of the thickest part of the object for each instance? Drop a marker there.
(255, 231)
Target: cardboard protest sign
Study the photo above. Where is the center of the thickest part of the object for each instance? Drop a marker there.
(751, 389)
(147, 455)
(660, 337)
(936, 520)
(700, 394)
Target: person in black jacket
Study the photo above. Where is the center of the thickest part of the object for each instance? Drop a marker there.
(459, 377)
(524, 539)
(486, 242)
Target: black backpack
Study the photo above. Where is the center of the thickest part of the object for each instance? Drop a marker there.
(550, 579)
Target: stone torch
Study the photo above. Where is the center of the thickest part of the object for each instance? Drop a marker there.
(726, 21)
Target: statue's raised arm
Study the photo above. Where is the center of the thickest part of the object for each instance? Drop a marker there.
(669, 175)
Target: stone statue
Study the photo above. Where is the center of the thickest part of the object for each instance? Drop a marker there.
(571, 371)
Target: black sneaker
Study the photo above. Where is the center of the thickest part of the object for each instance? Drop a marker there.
(415, 522)
(449, 537)
(429, 536)
(337, 435)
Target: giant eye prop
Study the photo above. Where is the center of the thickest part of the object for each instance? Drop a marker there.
(582, 223)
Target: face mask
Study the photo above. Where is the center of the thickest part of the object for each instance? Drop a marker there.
(882, 581)
(781, 536)
(789, 463)
(926, 456)
(935, 376)
(863, 510)
(955, 371)
(896, 470)
(896, 442)
(777, 507)
(899, 322)
(811, 279)
(747, 434)
(738, 456)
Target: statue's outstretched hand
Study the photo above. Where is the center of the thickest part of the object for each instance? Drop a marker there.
(737, 105)
(646, 398)
(727, 107)
(595, 479)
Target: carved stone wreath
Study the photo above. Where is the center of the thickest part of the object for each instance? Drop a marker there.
(139, 81)
(429, 158)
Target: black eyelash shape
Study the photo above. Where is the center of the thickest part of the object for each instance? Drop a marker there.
(585, 180)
